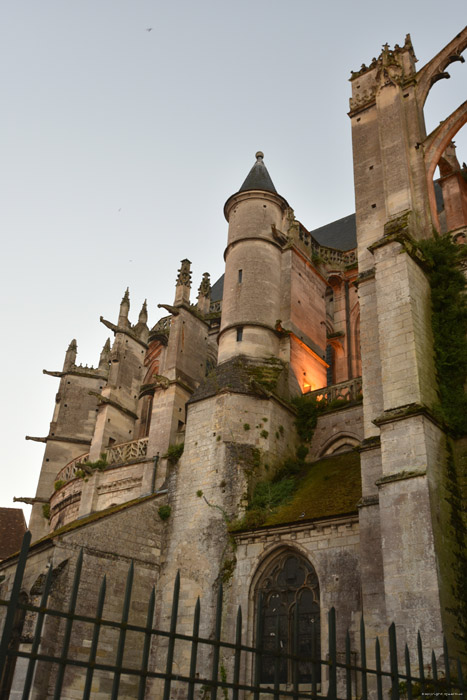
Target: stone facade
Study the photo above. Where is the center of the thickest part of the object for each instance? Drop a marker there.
(159, 454)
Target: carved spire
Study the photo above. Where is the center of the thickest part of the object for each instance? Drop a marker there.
(143, 314)
(70, 356)
(182, 289)
(105, 355)
(204, 294)
(124, 310)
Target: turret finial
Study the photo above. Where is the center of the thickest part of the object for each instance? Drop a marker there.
(182, 289)
(204, 294)
(184, 274)
(70, 355)
(105, 355)
(259, 156)
(124, 309)
(143, 314)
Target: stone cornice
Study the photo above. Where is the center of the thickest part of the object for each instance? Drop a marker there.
(265, 533)
(393, 415)
(400, 476)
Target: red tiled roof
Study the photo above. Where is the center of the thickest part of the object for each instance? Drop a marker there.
(12, 529)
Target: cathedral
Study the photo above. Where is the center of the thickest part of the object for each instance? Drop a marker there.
(277, 432)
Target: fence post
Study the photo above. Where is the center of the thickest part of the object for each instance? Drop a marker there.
(194, 651)
(258, 646)
(122, 635)
(295, 667)
(147, 644)
(348, 671)
(37, 635)
(393, 661)
(363, 659)
(68, 627)
(379, 677)
(408, 673)
(14, 597)
(332, 690)
(421, 669)
(238, 652)
(170, 648)
(217, 637)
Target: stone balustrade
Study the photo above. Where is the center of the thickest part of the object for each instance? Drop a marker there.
(117, 454)
(351, 390)
(126, 451)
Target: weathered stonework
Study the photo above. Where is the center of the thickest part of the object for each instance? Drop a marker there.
(156, 455)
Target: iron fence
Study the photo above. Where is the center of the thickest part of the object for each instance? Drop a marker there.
(336, 677)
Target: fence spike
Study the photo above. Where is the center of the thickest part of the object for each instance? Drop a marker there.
(408, 673)
(393, 662)
(95, 639)
(363, 659)
(258, 646)
(421, 665)
(315, 659)
(68, 627)
(147, 644)
(332, 689)
(447, 669)
(348, 674)
(122, 635)
(14, 598)
(238, 653)
(278, 660)
(171, 646)
(379, 678)
(217, 637)
(37, 634)
(194, 650)
(434, 666)
(295, 666)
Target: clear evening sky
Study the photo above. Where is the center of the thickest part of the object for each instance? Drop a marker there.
(120, 145)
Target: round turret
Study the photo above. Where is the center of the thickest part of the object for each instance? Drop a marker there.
(252, 296)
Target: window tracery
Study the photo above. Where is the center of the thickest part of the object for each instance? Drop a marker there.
(290, 581)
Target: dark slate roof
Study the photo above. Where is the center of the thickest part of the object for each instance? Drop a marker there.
(258, 178)
(217, 289)
(340, 234)
(12, 529)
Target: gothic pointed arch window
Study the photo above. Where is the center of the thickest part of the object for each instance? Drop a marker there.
(290, 582)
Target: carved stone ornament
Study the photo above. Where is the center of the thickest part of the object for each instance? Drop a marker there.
(184, 274)
(205, 286)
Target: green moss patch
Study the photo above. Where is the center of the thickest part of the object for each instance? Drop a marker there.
(331, 486)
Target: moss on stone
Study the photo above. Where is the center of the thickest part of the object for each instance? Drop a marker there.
(329, 487)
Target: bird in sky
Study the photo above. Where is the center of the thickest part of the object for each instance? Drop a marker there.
(149, 29)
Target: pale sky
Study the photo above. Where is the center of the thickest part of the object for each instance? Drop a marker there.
(119, 147)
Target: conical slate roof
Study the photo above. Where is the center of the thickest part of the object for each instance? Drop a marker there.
(258, 178)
